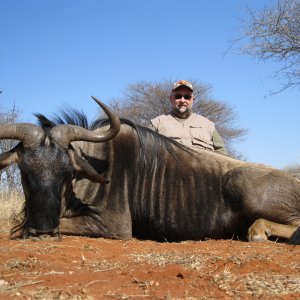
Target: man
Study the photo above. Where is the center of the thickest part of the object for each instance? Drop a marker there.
(184, 126)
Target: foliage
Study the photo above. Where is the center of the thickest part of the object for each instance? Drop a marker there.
(144, 100)
(274, 34)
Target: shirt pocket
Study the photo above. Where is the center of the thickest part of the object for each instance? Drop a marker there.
(200, 136)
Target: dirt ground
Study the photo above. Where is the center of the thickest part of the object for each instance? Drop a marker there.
(86, 268)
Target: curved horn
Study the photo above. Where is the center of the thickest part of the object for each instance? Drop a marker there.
(65, 134)
(29, 134)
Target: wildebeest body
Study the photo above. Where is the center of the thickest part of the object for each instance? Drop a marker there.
(178, 195)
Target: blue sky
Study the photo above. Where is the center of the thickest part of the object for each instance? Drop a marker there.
(57, 52)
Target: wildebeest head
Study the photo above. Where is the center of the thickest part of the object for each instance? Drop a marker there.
(47, 163)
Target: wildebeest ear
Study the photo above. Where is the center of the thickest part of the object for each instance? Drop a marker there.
(85, 169)
(8, 158)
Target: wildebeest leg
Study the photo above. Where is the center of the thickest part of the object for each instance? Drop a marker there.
(95, 227)
(263, 194)
(261, 229)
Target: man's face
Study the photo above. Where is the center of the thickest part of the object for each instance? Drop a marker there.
(181, 101)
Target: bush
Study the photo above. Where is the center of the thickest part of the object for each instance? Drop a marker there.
(293, 170)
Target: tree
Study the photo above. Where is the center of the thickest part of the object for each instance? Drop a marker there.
(293, 170)
(144, 100)
(274, 34)
(10, 176)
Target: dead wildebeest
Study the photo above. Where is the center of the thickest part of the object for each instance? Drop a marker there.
(158, 189)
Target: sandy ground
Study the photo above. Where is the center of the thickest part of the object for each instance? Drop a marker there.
(86, 268)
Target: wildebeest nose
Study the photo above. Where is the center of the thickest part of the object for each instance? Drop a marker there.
(39, 235)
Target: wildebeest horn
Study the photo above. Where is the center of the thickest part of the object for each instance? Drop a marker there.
(29, 134)
(65, 134)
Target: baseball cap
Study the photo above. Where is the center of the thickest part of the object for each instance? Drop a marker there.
(184, 83)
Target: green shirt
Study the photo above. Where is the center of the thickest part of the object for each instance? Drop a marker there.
(218, 143)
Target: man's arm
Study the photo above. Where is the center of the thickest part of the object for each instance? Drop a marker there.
(218, 143)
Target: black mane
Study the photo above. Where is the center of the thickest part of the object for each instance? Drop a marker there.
(146, 136)
(69, 116)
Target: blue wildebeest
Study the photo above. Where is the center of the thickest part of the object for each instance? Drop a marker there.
(157, 189)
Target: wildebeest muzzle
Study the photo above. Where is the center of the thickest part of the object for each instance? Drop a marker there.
(38, 235)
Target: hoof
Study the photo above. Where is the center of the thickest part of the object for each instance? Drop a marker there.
(257, 238)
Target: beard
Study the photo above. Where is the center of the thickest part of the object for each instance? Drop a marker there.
(182, 111)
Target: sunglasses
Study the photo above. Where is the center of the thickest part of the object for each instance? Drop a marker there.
(186, 96)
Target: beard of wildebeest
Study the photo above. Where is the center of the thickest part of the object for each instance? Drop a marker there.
(46, 173)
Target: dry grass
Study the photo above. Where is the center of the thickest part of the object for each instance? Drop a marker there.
(16, 289)
(186, 259)
(257, 285)
(11, 206)
(99, 265)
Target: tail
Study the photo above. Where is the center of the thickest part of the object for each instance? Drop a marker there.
(295, 238)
